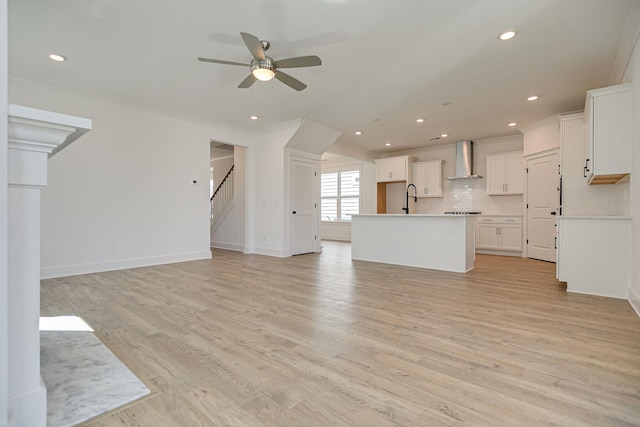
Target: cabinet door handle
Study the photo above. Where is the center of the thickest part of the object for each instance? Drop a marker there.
(390, 174)
(584, 173)
(555, 242)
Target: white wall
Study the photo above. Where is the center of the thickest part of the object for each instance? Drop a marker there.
(127, 186)
(541, 136)
(4, 394)
(266, 191)
(634, 290)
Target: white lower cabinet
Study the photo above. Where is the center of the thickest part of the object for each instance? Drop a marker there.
(499, 233)
(594, 255)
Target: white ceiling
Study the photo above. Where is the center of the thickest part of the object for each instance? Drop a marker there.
(385, 63)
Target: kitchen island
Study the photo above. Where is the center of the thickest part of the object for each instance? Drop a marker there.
(439, 242)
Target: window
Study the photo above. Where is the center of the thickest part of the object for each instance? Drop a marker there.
(340, 195)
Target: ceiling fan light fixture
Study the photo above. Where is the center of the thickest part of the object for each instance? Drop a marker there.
(263, 74)
(263, 70)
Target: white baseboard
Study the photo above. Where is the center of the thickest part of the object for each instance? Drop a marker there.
(271, 252)
(597, 294)
(227, 246)
(29, 409)
(335, 237)
(74, 270)
(634, 300)
(503, 253)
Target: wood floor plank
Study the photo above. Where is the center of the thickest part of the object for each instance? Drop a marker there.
(318, 339)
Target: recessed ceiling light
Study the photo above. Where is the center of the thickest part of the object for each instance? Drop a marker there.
(444, 135)
(512, 124)
(388, 144)
(253, 117)
(420, 120)
(532, 98)
(358, 132)
(508, 34)
(58, 58)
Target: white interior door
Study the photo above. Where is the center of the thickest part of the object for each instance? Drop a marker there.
(303, 206)
(543, 200)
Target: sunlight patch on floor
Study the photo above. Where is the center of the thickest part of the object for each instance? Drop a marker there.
(64, 323)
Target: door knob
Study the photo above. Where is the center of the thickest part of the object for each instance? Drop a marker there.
(553, 213)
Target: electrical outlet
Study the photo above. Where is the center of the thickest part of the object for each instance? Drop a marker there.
(109, 247)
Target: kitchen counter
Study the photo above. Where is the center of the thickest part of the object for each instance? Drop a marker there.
(500, 215)
(593, 254)
(434, 241)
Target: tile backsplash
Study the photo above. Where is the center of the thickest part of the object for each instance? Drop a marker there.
(462, 193)
(470, 195)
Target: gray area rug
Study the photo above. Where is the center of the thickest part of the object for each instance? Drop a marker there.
(83, 378)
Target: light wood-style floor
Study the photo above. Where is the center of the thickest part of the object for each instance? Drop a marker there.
(319, 340)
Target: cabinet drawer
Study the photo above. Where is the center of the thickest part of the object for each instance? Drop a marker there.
(499, 220)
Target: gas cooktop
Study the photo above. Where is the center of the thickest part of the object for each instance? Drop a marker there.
(463, 212)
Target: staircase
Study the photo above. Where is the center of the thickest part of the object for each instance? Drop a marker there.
(222, 200)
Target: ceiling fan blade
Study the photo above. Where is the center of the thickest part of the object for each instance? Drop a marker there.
(219, 61)
(254, 46)
(250, 80)
(290, 81)
(301, 61)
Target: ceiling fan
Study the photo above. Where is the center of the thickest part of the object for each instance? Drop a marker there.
(264, 68)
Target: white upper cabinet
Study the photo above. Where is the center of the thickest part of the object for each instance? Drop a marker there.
(609, 122)
(392, 169)
(505, 174)
(427, 177)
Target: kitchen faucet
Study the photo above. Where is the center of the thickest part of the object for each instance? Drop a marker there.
(415, 197)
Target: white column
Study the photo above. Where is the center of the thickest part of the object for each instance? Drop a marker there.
(33, 136)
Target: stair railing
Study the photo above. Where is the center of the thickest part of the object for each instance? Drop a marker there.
(222, 197)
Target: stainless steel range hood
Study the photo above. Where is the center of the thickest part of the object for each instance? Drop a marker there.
(464, 161)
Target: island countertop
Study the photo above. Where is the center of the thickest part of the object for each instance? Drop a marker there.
(436, 241)
(418, 215)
